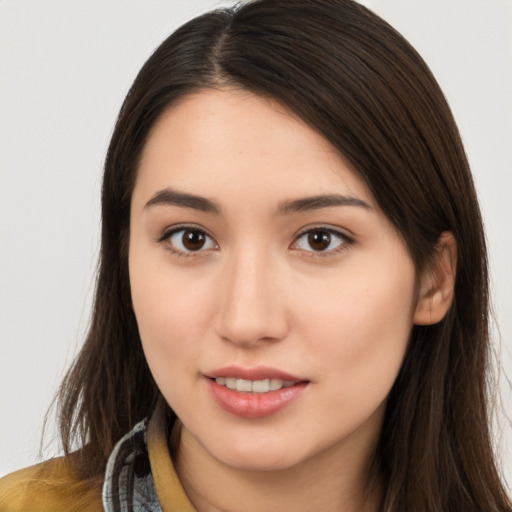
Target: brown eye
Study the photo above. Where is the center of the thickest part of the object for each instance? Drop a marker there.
(193, 240)
(190, 240)
(321, 240)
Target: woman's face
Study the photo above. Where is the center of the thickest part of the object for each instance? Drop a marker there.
(260, 261)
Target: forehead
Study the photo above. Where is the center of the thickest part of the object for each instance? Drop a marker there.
(228, 142)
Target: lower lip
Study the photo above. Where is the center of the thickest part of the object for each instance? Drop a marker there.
(255, 405)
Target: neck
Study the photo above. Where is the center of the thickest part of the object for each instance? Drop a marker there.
(338, 480)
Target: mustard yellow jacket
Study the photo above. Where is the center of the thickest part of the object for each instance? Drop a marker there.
(53, 487)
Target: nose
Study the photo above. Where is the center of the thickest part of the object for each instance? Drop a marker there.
(251, 306)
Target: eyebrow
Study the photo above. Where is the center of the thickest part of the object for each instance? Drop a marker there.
(320, 201)
(173, 197)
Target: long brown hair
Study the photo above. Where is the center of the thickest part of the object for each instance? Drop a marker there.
(355, 80)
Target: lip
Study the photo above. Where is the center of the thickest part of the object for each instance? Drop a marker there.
(254, 405)
(256, 373)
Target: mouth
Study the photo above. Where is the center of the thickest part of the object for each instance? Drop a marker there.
(254, 393)
(254, 386)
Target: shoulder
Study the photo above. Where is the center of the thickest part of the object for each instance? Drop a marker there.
(49, 486)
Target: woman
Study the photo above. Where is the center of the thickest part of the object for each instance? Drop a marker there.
(291, 310)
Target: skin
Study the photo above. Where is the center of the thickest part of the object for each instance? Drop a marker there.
(257, 293)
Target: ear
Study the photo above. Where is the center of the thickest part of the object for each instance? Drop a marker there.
(436, 289)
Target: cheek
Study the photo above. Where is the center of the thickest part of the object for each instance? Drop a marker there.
(171, 317)
(360, 326)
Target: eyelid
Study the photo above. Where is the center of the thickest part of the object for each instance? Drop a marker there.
(170, 230)
(176, 228)
(348, 240)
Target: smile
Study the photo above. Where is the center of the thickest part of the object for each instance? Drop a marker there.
(254, 386)
(254, 392)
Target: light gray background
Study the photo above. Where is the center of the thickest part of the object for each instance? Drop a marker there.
(65, 67)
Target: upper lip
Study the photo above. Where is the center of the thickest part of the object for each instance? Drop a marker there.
(256, 373)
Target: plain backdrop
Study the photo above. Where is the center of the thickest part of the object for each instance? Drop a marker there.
(65, 67)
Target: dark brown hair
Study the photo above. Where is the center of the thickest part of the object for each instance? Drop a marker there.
(355, 80)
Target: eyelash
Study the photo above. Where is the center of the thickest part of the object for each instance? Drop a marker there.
(166, 236)
(346, 241)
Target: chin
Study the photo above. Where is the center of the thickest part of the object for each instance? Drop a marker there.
(258, 461)
(251, 451)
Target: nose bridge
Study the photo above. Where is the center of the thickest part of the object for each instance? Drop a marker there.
(249, 306)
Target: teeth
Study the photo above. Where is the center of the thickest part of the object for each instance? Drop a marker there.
(230, 383)
(253, 386)
(243, 385)
(261, 386)
(275, 384)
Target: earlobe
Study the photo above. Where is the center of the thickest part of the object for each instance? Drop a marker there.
(436, 290)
